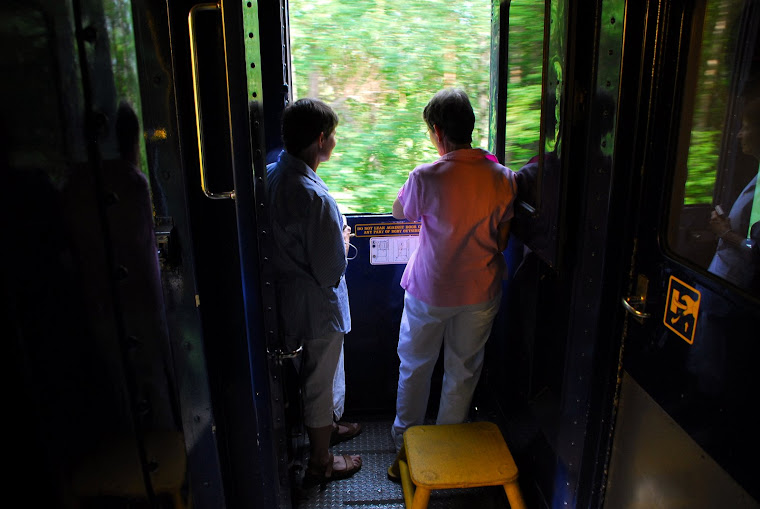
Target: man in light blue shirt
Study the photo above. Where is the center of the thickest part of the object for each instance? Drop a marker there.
(310, 264)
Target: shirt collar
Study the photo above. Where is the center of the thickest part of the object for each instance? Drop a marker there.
(292, 163)
(464, 153)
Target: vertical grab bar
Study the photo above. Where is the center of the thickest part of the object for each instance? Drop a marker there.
(196, 96)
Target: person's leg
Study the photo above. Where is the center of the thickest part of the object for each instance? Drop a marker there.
(420, 336)
(463, 350)
(318, 372)
(319, 446)
(342, 430)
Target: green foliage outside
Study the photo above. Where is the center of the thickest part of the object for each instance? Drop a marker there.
(377, 63)
(713, 97)
(703, 162)
(526, 45)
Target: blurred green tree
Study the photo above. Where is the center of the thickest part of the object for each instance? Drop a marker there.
(378, 63)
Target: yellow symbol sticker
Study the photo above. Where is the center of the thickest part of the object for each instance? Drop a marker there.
(682, 309)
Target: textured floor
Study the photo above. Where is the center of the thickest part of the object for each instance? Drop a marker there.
(370, 488)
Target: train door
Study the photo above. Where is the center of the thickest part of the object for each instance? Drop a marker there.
(218, 66)
(685, 432)
(132, 294)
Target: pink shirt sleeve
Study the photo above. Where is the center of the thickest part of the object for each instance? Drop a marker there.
(407, 196)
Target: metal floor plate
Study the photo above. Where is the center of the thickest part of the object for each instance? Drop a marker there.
(370, 488)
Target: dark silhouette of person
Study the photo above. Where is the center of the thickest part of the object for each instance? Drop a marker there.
(116, 258)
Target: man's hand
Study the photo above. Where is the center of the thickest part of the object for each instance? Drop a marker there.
(346, 237)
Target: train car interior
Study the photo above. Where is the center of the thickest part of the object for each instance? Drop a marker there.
(147, 364)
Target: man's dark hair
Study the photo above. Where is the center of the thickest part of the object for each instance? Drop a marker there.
(451, 111)
(303, 121)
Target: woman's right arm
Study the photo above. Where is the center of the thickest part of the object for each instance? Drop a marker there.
(398, 209)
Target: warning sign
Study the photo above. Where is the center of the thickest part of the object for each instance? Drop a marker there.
(392, 250)
(387, 229)
(682, 309)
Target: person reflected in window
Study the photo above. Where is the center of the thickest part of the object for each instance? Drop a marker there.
(310, 261)
(464, 201)
(737, 257)
(737, 260)
(124, 237)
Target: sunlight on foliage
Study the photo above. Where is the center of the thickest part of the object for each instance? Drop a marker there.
(703, 164)
(377, 64)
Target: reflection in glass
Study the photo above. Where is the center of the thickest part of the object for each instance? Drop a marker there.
(539, 177)
(88, 324)
(736, 257)
(714, 196)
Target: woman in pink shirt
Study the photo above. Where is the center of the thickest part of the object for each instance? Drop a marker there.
(464, 201)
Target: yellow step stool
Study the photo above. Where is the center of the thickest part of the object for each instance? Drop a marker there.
(469, 455)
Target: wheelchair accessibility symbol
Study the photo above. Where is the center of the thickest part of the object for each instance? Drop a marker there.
(682, 309)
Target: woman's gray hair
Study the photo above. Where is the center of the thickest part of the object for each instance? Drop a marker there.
(451, 111)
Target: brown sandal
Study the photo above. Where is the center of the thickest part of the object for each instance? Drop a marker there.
(354, 428)
(329, 474)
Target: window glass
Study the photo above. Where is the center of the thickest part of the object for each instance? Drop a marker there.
(121, 38)
(538, 177)
(377, 64)
(526, 45)
(715, 210)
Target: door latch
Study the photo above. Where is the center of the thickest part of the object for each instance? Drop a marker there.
(278, 355)
(635, 304)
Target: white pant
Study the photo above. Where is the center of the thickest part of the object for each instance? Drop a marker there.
(339, 388)
(463, 330)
